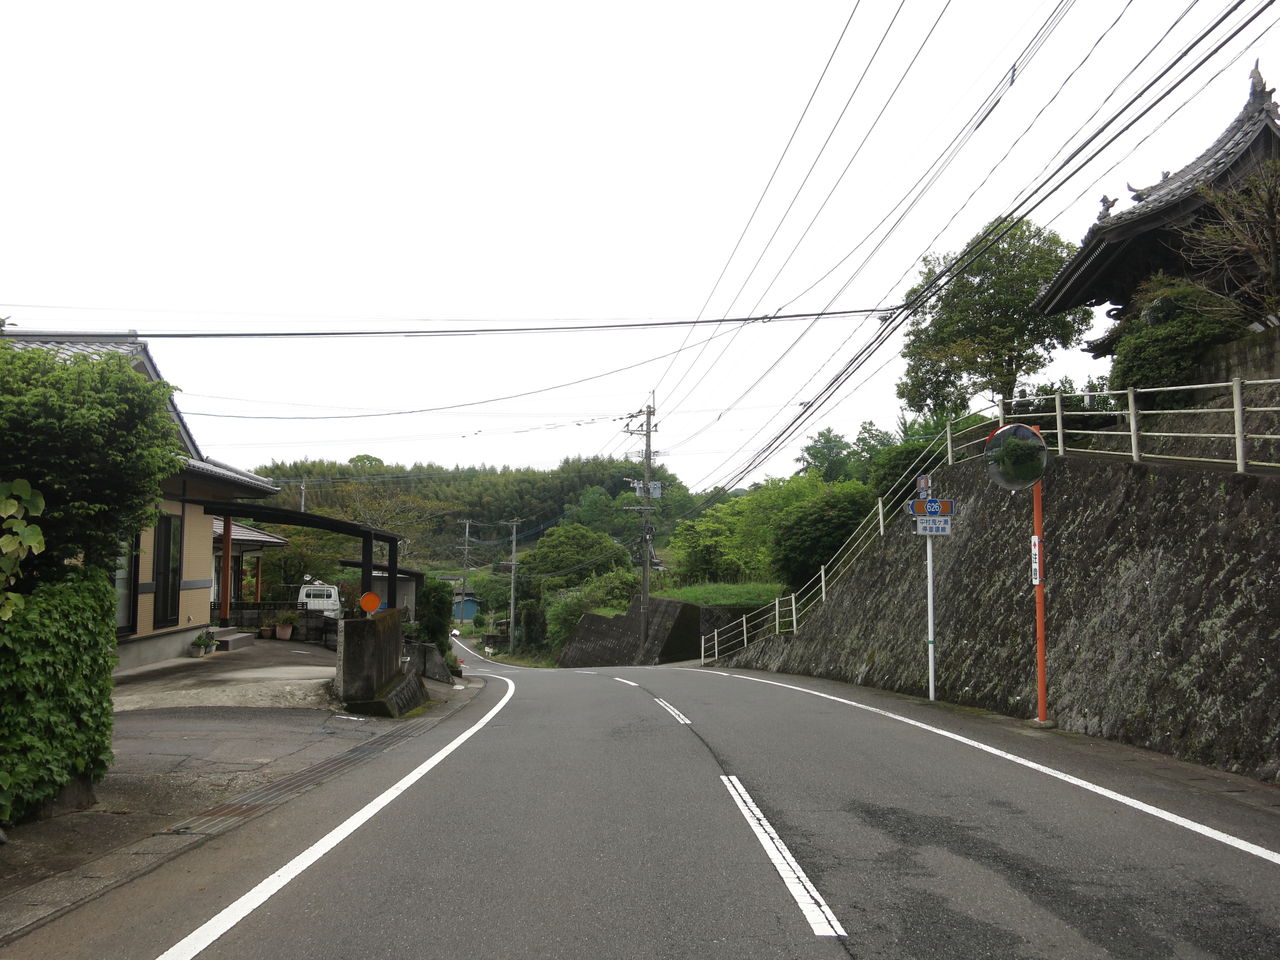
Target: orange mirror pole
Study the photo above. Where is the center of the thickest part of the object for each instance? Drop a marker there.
(1037, 542)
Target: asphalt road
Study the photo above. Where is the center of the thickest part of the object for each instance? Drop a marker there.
(672, 813)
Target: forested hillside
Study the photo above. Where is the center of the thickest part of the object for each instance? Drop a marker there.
(427, 502)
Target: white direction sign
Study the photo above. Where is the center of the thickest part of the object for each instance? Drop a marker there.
(933, 526)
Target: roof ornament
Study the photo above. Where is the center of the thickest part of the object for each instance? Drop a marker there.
(1259, 96)
(1107, 204)
(1139, 194)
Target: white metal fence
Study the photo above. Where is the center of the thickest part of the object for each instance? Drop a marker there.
(1240, 423)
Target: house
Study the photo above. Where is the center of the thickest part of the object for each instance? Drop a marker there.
(1122, 250)
(465, 605)
(165, 578)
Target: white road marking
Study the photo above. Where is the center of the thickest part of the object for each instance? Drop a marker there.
(589, 673)
(1203, 830)
(627, 682)
(672, 710)
(195, 942)
(810, 902)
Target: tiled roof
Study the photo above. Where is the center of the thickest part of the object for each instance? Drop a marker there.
(1260, 111)
(242, 534)
(1174, 197)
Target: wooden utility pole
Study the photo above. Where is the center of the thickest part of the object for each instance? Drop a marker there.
(511, 623)
(645, 489)
(466, 565)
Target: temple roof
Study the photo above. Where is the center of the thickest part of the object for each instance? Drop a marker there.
(1090, 276)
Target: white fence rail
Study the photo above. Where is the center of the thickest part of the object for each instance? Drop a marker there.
(1107, 423)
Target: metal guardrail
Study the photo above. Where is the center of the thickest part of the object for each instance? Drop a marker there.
(1070, 423)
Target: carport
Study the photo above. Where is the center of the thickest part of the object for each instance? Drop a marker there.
(297, 518)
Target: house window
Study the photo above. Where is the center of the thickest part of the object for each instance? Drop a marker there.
(168, 569)
(127, 588)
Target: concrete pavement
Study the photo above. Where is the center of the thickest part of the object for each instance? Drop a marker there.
(192, 739)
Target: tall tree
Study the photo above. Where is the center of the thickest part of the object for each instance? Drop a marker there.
(829, 455)
(976, 330)
(95, 438)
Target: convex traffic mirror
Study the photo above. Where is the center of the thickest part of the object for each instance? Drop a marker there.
(1015, 456)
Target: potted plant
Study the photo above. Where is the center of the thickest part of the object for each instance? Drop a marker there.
(208, 641)
(284, 626)
(267, 629)
(197, 647)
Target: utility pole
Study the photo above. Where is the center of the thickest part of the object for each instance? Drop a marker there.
(466, 565)
(511, 623)
(645, 489)
(303, 504)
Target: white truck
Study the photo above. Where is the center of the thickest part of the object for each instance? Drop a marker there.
(321, 596)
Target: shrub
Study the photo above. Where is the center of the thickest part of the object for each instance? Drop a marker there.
(1168, 329)
(563, 615)
(56, 658)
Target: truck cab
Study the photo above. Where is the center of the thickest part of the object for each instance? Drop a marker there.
(322, 597)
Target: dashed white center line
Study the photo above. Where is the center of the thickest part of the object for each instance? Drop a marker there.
(672, 710)
(810, 902)
(627, 682)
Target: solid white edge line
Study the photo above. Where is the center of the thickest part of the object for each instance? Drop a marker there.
(672, 710)
(196, 941)
(815, 909)
(627, 682)
(1202, 829)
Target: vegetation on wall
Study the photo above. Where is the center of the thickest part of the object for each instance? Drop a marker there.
(56, 657)
(1166, 331)
(19, 538)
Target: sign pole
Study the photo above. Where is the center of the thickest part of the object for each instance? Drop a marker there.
(928, 562)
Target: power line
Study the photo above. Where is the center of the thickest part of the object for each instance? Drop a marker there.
(472, 332)
(981, 244)
(776, 167)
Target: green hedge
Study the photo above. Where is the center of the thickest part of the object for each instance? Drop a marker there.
(56, 658)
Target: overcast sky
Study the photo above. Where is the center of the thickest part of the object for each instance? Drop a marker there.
(428, 166)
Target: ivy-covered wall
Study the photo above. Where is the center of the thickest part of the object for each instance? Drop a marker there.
(1163, 608)
(56, 658)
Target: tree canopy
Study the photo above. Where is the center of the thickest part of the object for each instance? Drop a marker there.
(569, 554)
(95, 437)
(829, 455)
(976, 330)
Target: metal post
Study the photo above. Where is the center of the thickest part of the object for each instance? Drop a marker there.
(880, 510)
(928, 566)
(1237, 402)
(822, 575)
(744, 631)
(777, 615)
(1062, 437)
(795, 617)
(951, 453)
(715, 638)
(1133, 425)
(1000, 411)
